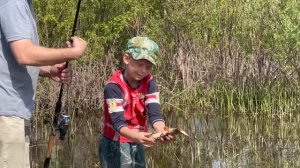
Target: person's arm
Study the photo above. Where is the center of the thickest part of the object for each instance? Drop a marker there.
(159, 126)
(153, 105)
(114, 99)
(18, 30)
(139, 137)
(26, 53)
(57, 72)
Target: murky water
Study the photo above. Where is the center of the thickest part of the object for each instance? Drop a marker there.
(219, 142)
(235, 141)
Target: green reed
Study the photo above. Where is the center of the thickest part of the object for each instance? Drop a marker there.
(238, 123)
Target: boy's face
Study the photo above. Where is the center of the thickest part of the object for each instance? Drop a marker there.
(137, 69)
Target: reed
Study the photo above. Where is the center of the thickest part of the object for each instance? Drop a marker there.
(228, 73)
(226, 117)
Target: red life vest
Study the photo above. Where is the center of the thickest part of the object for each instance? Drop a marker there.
(134, 107)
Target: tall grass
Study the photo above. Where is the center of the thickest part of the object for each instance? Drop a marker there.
(181, 107)
(217, 59)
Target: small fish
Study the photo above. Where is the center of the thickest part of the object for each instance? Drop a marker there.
(169, 131)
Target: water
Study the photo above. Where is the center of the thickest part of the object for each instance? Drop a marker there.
(235, 141)
(220, 141)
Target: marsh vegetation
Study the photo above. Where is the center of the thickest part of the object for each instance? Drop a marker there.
(228, 74)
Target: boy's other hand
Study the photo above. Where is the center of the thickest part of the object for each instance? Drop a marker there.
(146, 139)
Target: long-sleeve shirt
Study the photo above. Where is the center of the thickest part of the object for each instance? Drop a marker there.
(113, 91)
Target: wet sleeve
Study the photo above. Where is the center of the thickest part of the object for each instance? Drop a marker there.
(152, 103)
(114, 98)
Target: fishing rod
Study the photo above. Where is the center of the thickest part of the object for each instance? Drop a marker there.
(61, 121)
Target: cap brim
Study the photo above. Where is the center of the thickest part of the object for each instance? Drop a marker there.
(150, 60)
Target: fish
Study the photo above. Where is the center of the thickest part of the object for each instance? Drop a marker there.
(169, 131)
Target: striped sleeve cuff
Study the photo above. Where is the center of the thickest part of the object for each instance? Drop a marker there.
(152, 98)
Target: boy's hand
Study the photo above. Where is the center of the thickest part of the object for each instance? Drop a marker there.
(145, 138)
(163, 136)
(166, 138)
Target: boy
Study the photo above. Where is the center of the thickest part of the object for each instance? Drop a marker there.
(131, 97)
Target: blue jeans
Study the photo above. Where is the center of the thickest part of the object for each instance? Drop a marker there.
(114, 154)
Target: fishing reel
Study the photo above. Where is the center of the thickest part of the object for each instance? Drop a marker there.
(62, 125)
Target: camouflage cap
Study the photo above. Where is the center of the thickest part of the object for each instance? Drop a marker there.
(142, 48)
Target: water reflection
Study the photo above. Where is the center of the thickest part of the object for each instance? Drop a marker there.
(235, 141)
(217, 164)
(221, 141)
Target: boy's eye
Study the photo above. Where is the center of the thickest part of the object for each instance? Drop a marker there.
(140, 64)
(148, 67)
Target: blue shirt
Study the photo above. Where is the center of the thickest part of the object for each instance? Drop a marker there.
(17, 82)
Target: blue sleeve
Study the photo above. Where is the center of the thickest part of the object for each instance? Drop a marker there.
(15, 20)
(153, 104)
(114, 92)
